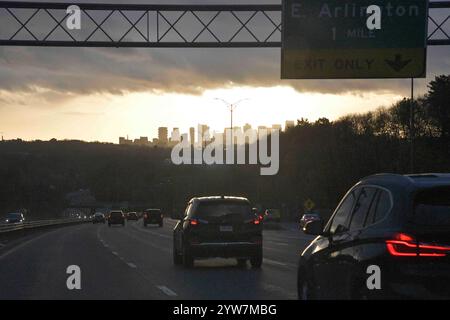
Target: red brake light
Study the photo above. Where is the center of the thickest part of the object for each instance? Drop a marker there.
(403, 237)
(405, 246)
(256, 221)
(193, 222)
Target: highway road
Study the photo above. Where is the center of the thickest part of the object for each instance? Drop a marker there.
(136, 263)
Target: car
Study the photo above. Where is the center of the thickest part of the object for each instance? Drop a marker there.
(116, 217)
(132, 216)
(307, 217)
(259, 215)
(272, 215)
(98, 218)
(153, 216)
(218, 226)
(14, 218)
(396, 224)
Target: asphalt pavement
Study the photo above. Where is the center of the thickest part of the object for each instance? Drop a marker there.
(134, 262)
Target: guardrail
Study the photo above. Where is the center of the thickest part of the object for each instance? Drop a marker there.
(11, 227)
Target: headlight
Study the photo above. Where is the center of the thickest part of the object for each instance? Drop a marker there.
(7, 220)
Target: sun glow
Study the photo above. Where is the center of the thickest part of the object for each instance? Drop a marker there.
(105, 117)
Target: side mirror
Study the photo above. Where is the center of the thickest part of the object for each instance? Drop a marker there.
(314, 228)
(177, 215)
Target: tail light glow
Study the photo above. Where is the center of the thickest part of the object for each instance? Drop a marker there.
(193, 222)
(406, 246)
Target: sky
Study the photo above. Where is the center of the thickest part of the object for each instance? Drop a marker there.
(99, 94)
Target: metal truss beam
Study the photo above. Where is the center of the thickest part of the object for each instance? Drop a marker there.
(163, 26)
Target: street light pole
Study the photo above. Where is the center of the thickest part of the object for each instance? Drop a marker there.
(232, 107)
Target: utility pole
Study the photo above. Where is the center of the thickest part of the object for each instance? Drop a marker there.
(1, 133)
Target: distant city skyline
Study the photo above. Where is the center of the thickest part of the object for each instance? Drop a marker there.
(193, 134)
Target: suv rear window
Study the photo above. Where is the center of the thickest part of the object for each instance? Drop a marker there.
(432, 207)
(116, 214)
(219, 210)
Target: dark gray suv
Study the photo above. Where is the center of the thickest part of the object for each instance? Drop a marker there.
(393, 225)
(218, 227)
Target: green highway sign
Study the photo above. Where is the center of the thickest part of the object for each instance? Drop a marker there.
(330, 39)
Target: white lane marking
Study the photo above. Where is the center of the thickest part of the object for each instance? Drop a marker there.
(279, 290)
(281, 243)
(114, 253)
(2, 245)
(279, 263)
(167, 291)
(105, 245)
(151, 232)
(274, 262)
(131, 265)
(146, 242)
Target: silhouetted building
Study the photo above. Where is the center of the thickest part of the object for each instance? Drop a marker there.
(192, 135)
(203, 133)
(163, 134)
(125, 141)
(276, 127)
(289, 124)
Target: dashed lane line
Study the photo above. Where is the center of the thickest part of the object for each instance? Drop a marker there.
(279, 263)
(274, 262)
(167, 291)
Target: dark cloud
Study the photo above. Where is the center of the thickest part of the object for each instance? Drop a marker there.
(96, 70)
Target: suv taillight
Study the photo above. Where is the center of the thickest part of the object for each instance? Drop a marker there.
(404, 245)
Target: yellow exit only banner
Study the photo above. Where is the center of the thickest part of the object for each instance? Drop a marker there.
(353, 63)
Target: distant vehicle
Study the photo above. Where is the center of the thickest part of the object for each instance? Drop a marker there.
(399, 224)
(98, 218)
(257, 213)
(218, 227)
(307, 217)
(272, 215)
(116, 217)
(14, 218)
(153, 216)
(132, 216)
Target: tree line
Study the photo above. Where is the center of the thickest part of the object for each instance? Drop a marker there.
(319, 160)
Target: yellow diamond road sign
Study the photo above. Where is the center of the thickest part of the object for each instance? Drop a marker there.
(309, 205)
(329, 39)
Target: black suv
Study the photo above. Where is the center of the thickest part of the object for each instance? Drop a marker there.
(393, 227)
(218, 227)
(116, 217)
(153, 216)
